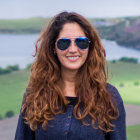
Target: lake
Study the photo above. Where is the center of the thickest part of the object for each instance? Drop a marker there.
(18, 49)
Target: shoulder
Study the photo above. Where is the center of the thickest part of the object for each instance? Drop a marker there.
(119, 132)
(116, 97)
(114, 92)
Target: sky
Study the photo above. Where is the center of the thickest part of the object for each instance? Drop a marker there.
(15, 9)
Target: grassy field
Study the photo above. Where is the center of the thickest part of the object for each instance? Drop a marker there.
(126, 74)
(12, 86)
(133, 132)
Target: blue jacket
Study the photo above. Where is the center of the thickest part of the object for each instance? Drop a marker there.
(66, 127)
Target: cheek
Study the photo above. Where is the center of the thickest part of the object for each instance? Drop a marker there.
(85, 54)
(60, 55)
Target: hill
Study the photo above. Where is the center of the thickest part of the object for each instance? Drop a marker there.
(125, 31)
(22, 26)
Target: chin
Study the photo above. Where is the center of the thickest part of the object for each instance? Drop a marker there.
(73, 68)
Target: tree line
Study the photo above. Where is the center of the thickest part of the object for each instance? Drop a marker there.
(9, 69)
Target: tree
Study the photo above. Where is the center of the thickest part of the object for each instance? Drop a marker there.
(9, 114)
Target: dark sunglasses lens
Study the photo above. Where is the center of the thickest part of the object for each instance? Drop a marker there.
(63, 44)
(82, 42)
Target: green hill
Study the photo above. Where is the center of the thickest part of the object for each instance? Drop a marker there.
(22, 26)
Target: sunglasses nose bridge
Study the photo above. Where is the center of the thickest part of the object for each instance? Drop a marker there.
(73, 46)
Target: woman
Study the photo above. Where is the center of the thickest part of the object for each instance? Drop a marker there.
(68, 97)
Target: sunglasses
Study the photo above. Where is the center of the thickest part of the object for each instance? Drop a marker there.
(81, 42)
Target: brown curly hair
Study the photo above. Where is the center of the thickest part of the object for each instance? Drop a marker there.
(44, 98)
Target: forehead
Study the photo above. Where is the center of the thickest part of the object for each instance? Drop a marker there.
(71, 30)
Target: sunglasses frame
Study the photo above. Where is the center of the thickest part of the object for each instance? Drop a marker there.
(72, 39)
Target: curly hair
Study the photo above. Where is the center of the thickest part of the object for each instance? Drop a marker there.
(44, 98)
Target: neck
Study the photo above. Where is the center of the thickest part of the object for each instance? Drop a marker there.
(68, 79)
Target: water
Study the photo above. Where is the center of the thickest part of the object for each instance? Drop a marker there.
(18, 49)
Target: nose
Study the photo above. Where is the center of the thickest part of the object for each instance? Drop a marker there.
(73, 48)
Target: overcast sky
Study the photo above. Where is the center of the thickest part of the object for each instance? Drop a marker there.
(89, 8)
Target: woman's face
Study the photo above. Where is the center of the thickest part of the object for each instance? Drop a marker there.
(73, 57)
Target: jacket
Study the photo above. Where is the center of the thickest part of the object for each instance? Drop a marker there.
(66, 127)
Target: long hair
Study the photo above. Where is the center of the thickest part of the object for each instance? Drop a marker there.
(44, 98)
